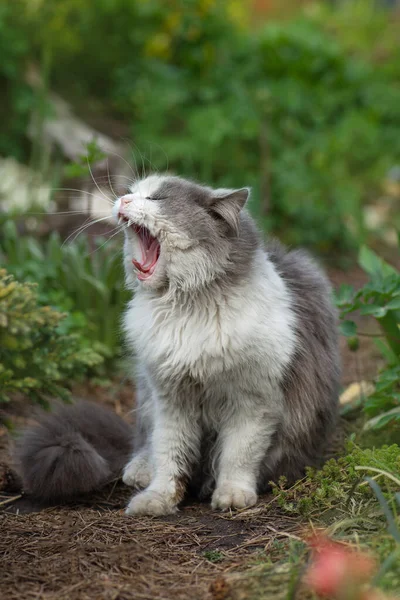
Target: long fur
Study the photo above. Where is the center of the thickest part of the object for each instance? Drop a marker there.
(72, 451)
(237, 362)
(236, 346)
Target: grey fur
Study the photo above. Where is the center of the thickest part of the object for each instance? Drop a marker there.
(311, 383)
(72, 451)
(205, 392)
(296, 401)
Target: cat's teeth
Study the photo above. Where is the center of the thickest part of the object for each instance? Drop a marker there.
(129, 223)
(119, 220)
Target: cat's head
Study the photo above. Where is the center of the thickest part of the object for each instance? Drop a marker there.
(178, 232)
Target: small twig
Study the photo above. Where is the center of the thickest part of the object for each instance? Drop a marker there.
(380, 471)
(10, 500)
(113, 488)
(285, 534)
(371, 335)
(374, 478)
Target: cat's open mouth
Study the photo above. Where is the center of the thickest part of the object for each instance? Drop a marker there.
(150, 250)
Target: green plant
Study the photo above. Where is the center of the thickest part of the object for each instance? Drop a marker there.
(379, 298)
(213, 556)
(81, 278)
(330, 491)
(82, 166)
(299, 114)
(36, 359)
(17, 97)
(391, 519)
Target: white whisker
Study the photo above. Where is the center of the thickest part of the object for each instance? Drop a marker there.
(75, 190)
(67, 212)
(96, 184)
(109, 181)
(83, 228)
(117, 176)
(119, 230)
(165, 154)
(135, 174)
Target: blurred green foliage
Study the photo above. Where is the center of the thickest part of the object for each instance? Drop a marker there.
(86, 283)
(311, 124)
(36, 357)
(345, 496)
(17, 98)
(332, 486)
(379, 298)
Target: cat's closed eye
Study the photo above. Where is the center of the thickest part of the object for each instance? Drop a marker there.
(156, 198)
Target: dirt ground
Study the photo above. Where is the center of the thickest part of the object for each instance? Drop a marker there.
(91, 550)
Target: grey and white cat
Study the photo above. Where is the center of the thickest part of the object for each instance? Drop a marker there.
(236, 349)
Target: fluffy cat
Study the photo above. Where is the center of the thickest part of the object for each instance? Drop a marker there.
(236, 349)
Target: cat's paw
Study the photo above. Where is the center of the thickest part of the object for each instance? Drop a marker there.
(231, 495)
(151, 503)
(138, 472)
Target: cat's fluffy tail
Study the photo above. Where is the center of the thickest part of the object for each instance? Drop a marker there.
(74, 450)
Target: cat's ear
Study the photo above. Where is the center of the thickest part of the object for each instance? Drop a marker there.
(227, 204)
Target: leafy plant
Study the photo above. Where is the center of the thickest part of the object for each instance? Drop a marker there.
(392, 527)
(310, 126)
(213, 556)
(379, 298)
(81, 166)
(17, 97)
(86, 282)
(36, 358)
(331, 488)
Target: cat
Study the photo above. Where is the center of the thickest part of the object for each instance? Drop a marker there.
(236, 346)
(237, 363)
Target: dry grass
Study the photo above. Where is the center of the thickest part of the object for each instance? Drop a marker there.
(88, 552)
(91, 551)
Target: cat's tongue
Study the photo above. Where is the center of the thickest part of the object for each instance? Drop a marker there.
(150, 249)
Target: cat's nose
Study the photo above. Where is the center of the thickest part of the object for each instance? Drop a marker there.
(124, 201)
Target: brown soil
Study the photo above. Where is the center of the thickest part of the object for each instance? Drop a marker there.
(91, 550)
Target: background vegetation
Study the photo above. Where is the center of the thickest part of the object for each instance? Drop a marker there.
(302, 105)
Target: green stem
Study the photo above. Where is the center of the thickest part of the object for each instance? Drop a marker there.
(391, 329)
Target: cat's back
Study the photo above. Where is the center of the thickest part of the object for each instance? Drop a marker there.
(310, 290)
(312, 380)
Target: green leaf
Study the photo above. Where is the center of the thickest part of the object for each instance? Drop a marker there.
(393, 304)
(392, 526)
(383, 419)
(390, 356)
(344, 295)
(373, 264)
(375, 311)
(348, 328)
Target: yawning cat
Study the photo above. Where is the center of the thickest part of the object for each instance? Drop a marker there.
(236, 349)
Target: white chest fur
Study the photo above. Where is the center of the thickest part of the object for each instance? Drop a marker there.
(215, 334)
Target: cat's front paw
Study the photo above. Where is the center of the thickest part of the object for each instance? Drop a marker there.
(231, 495)
(138, 472)
(151, 503)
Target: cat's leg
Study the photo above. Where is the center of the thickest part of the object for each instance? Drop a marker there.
(175, 443)
(138, 472)
(244, 441)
